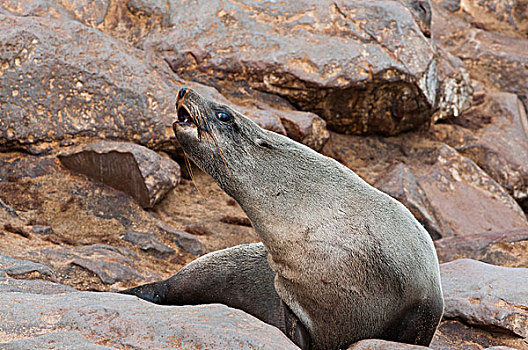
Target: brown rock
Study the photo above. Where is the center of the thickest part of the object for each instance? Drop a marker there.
(341, 62)
(62, 81)
(449, 193)
(493, 133)
(376, 344)
(486, 295)
(508, 248)
(133, 169)
(497, 60)
(508, 17)
(87, 320)
(455, 335)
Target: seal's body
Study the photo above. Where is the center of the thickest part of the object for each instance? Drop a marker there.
(349, 261)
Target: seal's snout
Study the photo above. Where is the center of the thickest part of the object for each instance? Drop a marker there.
(182, 93)
(184, 116)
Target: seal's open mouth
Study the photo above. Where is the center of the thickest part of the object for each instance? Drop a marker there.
(184, 117)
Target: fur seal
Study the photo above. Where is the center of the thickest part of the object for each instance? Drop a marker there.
(348, 261)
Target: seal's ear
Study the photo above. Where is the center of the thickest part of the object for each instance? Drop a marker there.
(264, 144)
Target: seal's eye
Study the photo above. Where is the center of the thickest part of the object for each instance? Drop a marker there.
(224, 116)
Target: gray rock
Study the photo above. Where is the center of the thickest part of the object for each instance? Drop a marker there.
(108, 321)
(147, 242)
(486, 295)
(131, 168)
(184, 240)
(22, 268)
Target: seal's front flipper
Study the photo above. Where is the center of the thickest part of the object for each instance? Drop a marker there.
(154, 292)
(238, 277)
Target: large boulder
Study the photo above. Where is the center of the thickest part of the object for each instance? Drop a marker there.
(496, 59)
(364, 66)
(62, 318)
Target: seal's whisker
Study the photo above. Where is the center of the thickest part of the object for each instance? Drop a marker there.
(189, 170)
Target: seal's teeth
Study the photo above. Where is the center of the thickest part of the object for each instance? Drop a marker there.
(184, 116)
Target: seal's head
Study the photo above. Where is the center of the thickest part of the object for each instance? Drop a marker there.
(221, 141)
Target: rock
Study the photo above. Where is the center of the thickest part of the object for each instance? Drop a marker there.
(110, 264)
(455, 335)
(73, 320)
(62, 81)
(486, 295)
(449, 193)
(133, 169)
(377, 344)
(41, 230)
(506, 17)
(493, 133)
(497, 60)
(379, 78)
(400, 183)
(148, 242)
(11, 285)
(18, 268)
(184, 240)
(508, 248)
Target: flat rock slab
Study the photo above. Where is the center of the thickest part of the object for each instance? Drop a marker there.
(506, 248)
(486, 295)
(133, 169)
(108, 321)
(364, 66)
(19, 268)
(148, 243)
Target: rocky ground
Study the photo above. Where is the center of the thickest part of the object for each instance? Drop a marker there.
(425, 101)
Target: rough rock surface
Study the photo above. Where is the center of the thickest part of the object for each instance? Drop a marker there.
(133, 169)
(508, 248)
(379, 78)
(498, 60)
(67, 319)
(494, 134)
(446, 191)
(486, 295)
(376, 344)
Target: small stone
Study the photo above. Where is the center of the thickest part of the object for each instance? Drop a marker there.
(41, 230)
(147, 242)
(184, 240)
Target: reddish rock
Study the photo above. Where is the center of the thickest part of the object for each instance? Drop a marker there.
(493, 133)
(508, 248)
(73, 320)
(449, 193)
(341, 62)
(133, 169)
(486, 295)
